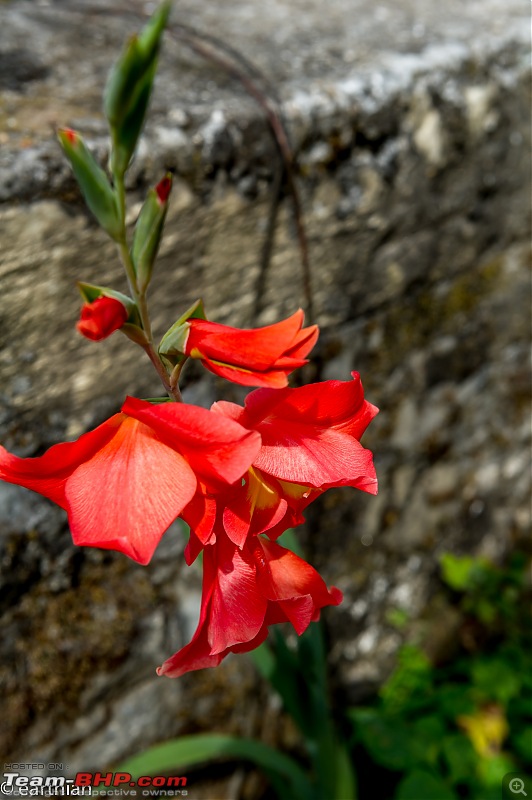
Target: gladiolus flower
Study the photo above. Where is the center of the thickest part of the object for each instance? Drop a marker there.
(244, 592)
(101, 318)
(310, 442)
(125, 482)
(253, 357)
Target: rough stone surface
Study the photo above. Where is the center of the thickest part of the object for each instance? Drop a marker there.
(410, 123)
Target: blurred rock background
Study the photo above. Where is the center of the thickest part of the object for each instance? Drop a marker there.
(410, 127)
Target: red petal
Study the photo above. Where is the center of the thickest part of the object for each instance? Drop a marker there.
(101, 318)
(274, 379)
(304, 342)
(282, 575)
(255, 349)
(299, 611)
(238, 608)
(48, 473)
(200, 515)
(310, 434)
(230, 410)
(193, 548)
(231, 615)
(338, 404)
(215, 447)
(129, 492)
(197, 653)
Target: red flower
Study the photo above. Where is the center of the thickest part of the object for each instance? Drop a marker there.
(245, 591)
(257, 357)
(101, 318)
(310, 442)
(125, 482)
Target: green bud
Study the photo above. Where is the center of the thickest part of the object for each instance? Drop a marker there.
(127, 132)
(93, 182)
(148, 231)
(129, 87)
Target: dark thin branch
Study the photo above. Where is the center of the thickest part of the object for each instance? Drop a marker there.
(269, 239)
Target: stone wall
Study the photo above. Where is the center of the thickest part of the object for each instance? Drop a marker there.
(411, 130)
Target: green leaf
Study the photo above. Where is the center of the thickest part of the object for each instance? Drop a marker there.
(456, 570)
(421, 785)
(345, 781)
(149, 37)
(387, 740)
(397, 617)
(280, 667)
(93, 182)
(522, 742)
(460, 757)
(426, 738)
(496, 679)
(410, 685)
(289, 540)
(175, 338)
(453, 700)
(491, 771)
(190, 751)
(91, 292)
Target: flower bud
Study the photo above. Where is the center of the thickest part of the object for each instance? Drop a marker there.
(148, 231)
(129, 87)
(101, 318)
(93, 182)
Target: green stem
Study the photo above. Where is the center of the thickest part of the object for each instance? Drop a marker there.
(173, 391)
(140, 298)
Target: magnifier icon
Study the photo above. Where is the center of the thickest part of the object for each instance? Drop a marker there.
(517, 786)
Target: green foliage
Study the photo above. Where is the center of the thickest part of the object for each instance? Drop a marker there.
(422, 785)
(454, 731)
(488, 594)
(299, 675)
(179, 755)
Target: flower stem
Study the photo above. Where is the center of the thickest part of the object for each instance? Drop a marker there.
(140, 298)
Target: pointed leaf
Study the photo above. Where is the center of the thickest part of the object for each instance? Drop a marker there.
(175, 337)
(190, 751)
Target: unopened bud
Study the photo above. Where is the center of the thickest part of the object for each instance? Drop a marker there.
(101, 318)
(129, 87)
(93, 182)
(148, 231)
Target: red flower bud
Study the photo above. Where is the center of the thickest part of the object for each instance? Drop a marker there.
(163, 189)
(101, 318)
(71, 135)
